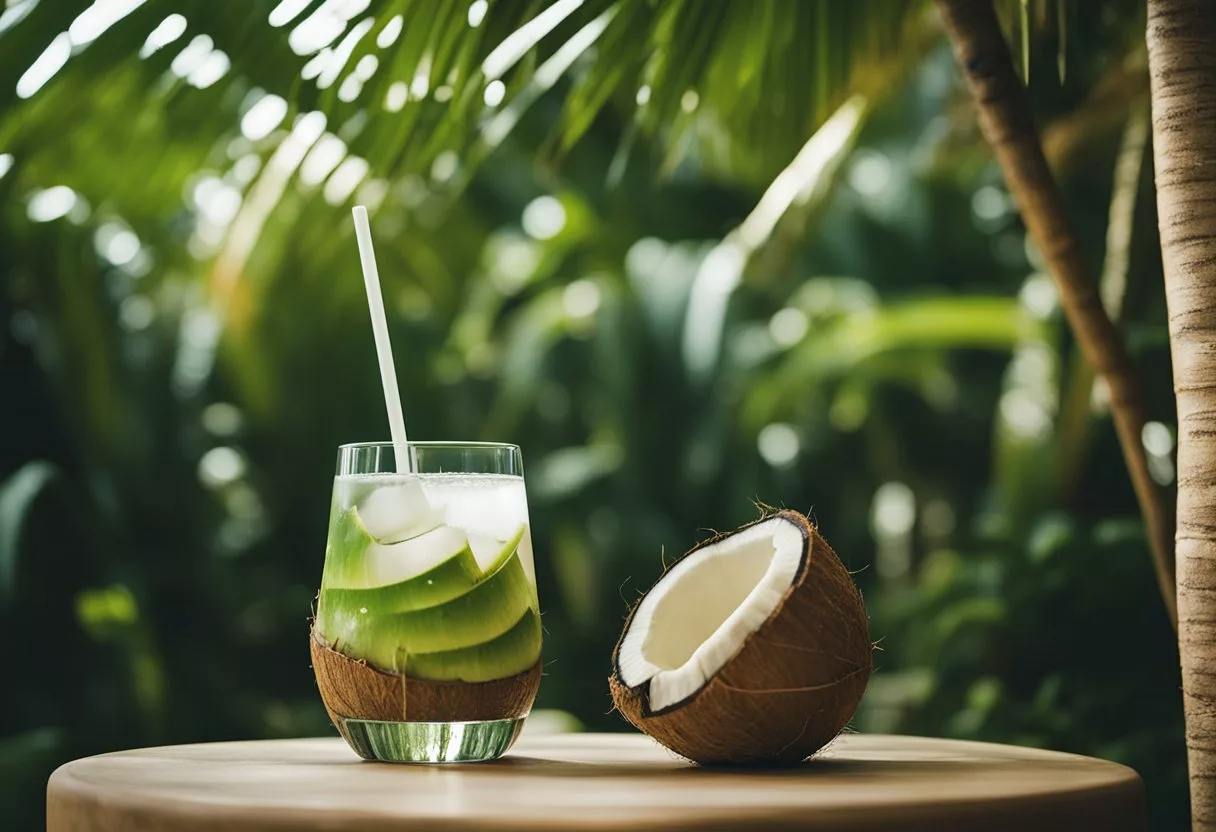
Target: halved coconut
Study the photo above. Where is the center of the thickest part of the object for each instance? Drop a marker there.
(752, 649)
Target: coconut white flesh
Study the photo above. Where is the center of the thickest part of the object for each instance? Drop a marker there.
(490, 552)
(394, 513)
(386, 564)
(698, 615)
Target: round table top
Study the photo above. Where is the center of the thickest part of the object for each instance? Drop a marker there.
(593, 782)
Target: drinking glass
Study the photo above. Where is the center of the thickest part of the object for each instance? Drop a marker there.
(427, 636)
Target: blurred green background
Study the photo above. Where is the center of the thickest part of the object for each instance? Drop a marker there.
(635, 252)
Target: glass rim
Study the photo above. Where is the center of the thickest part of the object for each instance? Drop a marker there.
(433, 443)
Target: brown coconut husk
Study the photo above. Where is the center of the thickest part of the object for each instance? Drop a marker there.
(353, 689)
(790, 689)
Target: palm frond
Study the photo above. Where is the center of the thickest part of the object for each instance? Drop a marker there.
(412, 92)
(724, 266)
(742, 85)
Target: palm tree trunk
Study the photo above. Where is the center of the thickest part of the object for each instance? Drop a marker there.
(1182, 64)
(1004, 116)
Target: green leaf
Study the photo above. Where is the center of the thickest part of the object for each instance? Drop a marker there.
(849, 346)
(567, 471)
(26, 761)
(18, 494)
(748, 65)
(18, 752)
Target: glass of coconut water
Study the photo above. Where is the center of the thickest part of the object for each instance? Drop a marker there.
(427, 636)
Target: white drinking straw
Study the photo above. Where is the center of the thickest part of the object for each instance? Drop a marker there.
(384, 349)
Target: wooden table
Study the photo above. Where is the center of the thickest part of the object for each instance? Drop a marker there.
(593, 782)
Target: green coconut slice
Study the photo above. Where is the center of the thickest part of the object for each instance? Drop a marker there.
(447, 573)
(491, 553)
(447, 580)
(366, 564)
(348, 541)
(513, 652)
(483, 613)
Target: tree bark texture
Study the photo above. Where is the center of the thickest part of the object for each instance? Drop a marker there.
(1004, 117)
(1182, 64)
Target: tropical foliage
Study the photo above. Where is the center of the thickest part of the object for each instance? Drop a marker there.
(688, 260)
